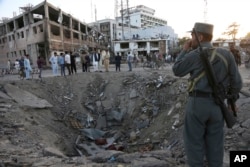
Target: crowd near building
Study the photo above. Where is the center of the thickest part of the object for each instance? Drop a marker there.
(44, 29)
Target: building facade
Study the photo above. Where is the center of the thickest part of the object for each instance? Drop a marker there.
(140, 16)
(42, 30)
(141, 47)
(138, 30)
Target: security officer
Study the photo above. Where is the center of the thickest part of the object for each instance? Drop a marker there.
(203, 127)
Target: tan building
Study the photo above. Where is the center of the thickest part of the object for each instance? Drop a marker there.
(42, 30)
(141, 47)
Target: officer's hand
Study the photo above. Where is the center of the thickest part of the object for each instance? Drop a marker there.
(188, 45)
(235, 97)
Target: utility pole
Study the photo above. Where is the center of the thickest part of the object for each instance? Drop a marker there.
(116, 9)
(91, 11)
(116, 14)
(122, 13)
(205, 11)
(128, 13)
(95, 14)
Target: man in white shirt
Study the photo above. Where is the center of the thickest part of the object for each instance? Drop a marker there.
(129, 60)
(67, 61)
(27, 67)
(54, 63)
(17, 66)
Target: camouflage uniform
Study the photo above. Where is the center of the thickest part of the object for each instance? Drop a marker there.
(203, 128)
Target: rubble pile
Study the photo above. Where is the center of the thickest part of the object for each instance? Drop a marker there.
(112, 119)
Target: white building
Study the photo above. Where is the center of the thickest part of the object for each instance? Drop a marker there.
(106, 29)
(140, 16)
(137, 30)
(226, 43)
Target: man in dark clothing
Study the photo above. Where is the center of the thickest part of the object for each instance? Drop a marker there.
(85, 61)
(236, 54)
(40, 63)
(21, 65)
(118, 62)
(204, 122)
(95, 58)
(73, 62)
(87, 58)
(21, 62)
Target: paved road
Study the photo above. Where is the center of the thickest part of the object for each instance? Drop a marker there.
(48, 72)
(245, 73)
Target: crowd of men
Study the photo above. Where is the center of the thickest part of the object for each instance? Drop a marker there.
(67, 61)
(95, 58)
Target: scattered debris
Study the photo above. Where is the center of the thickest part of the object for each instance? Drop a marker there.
(127, 119)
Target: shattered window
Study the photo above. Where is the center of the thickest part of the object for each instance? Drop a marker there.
(34, 30)
(40, 27)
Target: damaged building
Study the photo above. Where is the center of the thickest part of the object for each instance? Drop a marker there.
(42, 30)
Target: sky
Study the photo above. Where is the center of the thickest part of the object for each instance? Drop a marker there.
(180, 14)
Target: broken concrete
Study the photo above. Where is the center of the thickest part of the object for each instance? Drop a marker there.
(25, 98)
(146, 129)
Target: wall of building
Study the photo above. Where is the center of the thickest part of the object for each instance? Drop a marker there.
(135, 19)
(141, 46)
(16, 42)
(54, 30)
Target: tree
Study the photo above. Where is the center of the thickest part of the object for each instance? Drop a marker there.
(248, 35)
(220, 39)
(183, 40)
(232, 30)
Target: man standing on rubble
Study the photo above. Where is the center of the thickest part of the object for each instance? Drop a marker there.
(236, 54)
(67, 62)
(204, 122)
(27, 67)
(129, 60)
(54, 63)
(106, 57)
(95, 59)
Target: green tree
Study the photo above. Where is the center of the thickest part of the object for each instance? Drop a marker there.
(220, 39)
(248, 35)
(232, 30)
(183, 40)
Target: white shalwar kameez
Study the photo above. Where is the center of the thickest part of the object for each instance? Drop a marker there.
(95, 63)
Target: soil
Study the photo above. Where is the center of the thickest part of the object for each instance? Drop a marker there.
(141, 110)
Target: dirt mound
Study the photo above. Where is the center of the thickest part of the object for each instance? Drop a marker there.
(129, 119)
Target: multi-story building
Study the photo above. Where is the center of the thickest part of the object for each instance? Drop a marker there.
(146, 41)
(226, 43)
(138, 30)
(106, 29)
(42, 30)
(140, 16)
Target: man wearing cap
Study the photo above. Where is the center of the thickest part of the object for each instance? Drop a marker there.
(203, 128)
